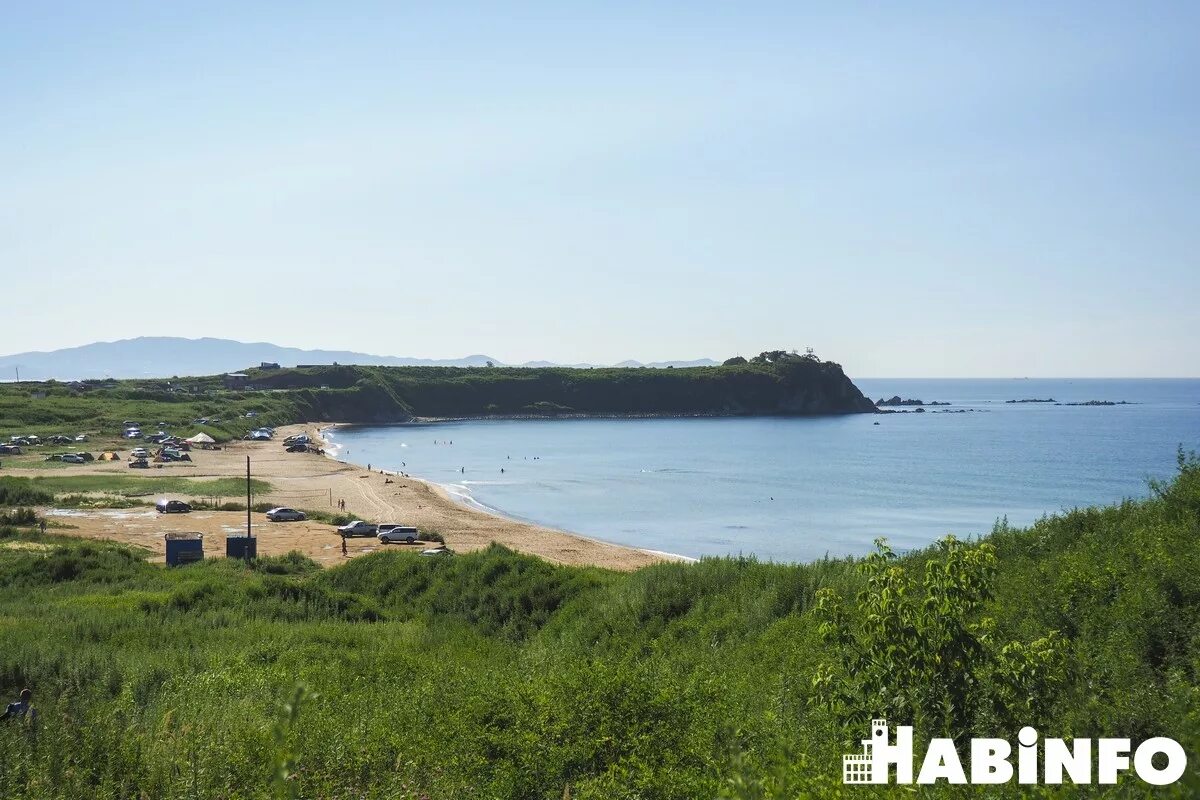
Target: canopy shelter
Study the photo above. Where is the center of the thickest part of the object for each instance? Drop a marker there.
(201, 438)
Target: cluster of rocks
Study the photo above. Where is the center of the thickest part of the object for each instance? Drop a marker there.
(1099, 403)
(921, 410)
(896, 400)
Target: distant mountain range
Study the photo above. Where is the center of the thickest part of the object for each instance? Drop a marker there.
(167, 356)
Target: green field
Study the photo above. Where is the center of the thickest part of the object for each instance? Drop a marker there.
(123, 485)
(498, 675)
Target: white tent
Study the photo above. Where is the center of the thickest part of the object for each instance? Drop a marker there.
(201, 438)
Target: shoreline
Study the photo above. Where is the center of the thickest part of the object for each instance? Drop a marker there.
(480, 510)
(311, 483)
(574, 415)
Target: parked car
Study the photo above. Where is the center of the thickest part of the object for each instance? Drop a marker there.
(285, 515)
(139, 452)
(10, 450)
(297, 448)
(358, 528)
(71, 458)
(397, 533)
(83, 437)
(139, 463)
(172, 507)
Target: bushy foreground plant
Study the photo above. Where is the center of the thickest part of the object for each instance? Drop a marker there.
(924, 655)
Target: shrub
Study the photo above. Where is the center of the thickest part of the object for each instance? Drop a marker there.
(19, 516)
(21, 492)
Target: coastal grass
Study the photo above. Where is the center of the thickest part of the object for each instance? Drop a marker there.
(18, 490)
(138, 486)
(494, 674)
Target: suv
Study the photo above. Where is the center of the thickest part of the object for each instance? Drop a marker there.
(285, 515)
(172, 507)
(397, 533)
(358, 528)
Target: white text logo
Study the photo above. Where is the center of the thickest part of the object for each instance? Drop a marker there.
(1083, 761)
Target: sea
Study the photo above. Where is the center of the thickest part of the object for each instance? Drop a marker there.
(794, 489)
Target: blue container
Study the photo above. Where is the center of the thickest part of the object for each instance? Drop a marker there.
(241, 547)
(184, 550)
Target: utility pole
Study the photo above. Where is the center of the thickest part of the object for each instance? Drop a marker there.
(248, 533)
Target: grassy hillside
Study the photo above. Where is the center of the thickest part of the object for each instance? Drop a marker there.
(498, 675)
(784, 385)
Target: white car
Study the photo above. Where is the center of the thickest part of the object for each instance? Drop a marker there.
(397, 533)
(139, 452)
(286, 515)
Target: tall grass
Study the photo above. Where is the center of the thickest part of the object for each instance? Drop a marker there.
(138, 486)
(493, 674)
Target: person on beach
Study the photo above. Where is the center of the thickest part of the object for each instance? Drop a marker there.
(20, 709)
(344, 551)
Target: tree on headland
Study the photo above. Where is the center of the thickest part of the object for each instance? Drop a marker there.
(733, 362)
(783, 356)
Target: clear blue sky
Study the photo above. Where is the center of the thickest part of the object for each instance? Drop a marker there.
(927, 189)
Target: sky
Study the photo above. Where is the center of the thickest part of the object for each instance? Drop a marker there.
(917, 189)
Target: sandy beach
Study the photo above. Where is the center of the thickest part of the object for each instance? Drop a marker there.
(312, 481)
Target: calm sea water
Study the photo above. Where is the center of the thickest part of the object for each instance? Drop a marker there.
(794, 489)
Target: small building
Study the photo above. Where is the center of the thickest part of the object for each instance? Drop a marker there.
(236, 380)
(268, 365)
(184, 548)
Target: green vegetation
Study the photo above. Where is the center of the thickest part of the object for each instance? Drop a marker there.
(40, 490)
(22, 492)
(773, 383)
(497, 675)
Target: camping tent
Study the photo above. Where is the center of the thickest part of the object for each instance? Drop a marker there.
(109, 456)
(201, 438)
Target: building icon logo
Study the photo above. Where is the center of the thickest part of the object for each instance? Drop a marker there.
(871, 765)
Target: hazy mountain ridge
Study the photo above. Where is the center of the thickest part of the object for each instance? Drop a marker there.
(166, 356)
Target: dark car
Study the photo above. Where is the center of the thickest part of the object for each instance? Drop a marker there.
(297, 448)
(172, 507)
